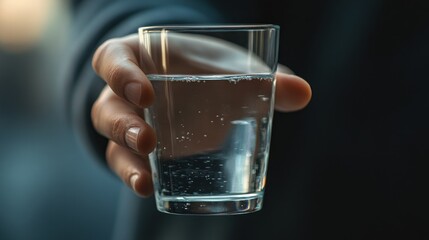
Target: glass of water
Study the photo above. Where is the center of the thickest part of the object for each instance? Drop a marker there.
(214, 101)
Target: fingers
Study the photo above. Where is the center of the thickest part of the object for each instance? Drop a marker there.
(116, 62)
(292, 92)
(134, 170)
(119, 121)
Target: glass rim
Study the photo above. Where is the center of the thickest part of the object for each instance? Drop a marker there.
(208, 27)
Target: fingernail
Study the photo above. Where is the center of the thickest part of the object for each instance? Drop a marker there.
(131, 137)
(133, 180)
(133, 92)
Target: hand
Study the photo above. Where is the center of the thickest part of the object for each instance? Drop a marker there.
(117, 114)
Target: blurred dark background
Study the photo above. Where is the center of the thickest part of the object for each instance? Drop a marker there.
(48, 187)
(357, 156)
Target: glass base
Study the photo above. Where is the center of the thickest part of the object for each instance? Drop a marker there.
(211, 205)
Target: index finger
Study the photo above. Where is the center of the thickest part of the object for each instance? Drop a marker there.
(115, 61)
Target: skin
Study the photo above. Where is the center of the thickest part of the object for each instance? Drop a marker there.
(118, 116)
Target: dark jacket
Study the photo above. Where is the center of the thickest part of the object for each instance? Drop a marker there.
(352, 165)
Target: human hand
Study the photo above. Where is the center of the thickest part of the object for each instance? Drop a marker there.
(117, 114)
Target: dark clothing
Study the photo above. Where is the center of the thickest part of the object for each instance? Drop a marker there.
(352, 165)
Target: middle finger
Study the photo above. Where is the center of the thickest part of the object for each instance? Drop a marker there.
(117, 120)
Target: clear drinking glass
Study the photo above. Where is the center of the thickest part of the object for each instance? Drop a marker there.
(214, 101)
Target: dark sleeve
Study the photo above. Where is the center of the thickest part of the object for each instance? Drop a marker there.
(93, 23)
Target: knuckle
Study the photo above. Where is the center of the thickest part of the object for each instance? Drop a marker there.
(103, 50)
(110, 152)
(116, 74)
(95, 113)
(119, 127)
(112, 155)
